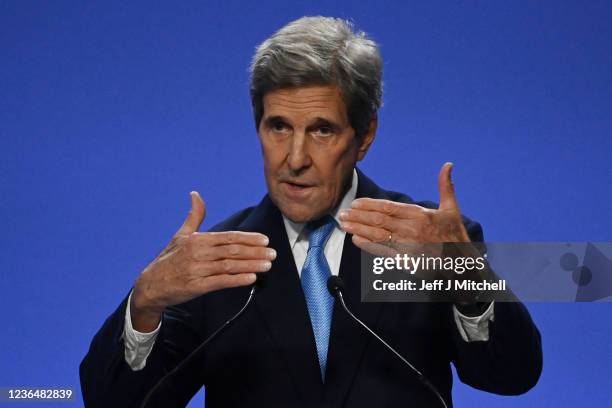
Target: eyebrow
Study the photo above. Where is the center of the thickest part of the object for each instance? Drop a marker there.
(318, 121)
(272, 120)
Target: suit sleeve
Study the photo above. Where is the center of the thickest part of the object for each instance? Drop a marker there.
(108, 381)
(510, 362)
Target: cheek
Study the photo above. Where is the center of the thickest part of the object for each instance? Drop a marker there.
(336, 168)
(270, 155)
(344, 157)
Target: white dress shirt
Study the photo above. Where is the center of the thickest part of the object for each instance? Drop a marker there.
(138, 345)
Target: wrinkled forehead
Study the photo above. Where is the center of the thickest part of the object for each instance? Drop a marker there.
(306, 103)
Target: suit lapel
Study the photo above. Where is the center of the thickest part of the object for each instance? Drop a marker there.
(282, 305)
(283, 308)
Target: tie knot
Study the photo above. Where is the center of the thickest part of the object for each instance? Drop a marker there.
(320, 230)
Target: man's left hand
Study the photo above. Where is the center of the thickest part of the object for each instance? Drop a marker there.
(374, 221)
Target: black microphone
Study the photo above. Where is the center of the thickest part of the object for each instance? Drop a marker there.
(335, 286)
(257, 286)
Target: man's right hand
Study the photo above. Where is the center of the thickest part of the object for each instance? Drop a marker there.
(196, 263)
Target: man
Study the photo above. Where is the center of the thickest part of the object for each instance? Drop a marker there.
(316, 87)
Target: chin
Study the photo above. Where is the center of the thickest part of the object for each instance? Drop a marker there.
(300, 216)
(301, 213)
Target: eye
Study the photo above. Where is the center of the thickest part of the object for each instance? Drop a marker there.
(279, 127)
(324, 131)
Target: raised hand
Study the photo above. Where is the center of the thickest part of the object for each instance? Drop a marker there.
(373, 221)
(196, 263)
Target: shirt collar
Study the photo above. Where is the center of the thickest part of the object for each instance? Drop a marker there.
(294, 229)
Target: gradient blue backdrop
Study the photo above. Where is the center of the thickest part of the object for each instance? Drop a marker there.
(110, 113)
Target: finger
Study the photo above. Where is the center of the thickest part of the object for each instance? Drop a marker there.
(234, 251)
(218, 282)
(195, 217)
(373, 247)
(448, 201)
(230, 266)
(360, 241)
(372, 218)
(233, 237)
(387, 207)
(374, 234)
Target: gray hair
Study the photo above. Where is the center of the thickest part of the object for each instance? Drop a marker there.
(321, 51)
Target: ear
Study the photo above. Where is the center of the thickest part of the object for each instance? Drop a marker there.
(368, 138)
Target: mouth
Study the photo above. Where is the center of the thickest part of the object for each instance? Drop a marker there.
(296, 188)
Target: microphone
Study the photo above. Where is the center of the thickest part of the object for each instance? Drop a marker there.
(257, 286)
(335, 286)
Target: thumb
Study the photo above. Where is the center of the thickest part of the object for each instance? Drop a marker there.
(196, 215)
(448, 201)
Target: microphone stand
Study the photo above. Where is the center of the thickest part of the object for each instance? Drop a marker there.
(196, 352)
(335, 287)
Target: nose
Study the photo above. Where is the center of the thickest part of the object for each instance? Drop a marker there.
(299, 158)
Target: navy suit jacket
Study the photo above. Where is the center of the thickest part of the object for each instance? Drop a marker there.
(268, 358)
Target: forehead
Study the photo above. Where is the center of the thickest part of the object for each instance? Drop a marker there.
(306, 102)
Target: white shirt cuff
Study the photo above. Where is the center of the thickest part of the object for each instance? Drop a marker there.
(138, 345)
(474, 328)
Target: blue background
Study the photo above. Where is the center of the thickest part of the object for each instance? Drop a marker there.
(110, 113)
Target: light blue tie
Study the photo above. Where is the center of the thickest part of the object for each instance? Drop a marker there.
(314, 283)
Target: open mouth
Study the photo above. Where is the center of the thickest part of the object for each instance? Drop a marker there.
(296, 187)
